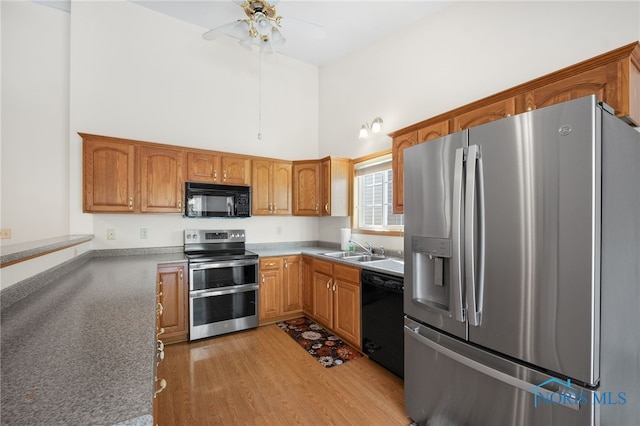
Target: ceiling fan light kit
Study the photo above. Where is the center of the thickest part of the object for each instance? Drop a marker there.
(262, 26)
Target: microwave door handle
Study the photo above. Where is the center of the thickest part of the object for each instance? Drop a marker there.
(457, 237)
(474, 202)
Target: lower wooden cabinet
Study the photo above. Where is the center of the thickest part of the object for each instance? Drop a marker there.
(336, 299)
(173, 298)
(307, 285)
(280, 281)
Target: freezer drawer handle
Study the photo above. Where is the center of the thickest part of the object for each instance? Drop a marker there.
(498, 375)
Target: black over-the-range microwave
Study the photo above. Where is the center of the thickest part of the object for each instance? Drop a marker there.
(213, 200)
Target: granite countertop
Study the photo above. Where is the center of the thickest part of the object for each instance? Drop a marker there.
(318, 251)
(81, 349)
(16, 252)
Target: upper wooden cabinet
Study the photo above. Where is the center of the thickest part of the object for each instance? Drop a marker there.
(208, 167)
(271, 187)
(614, 77)
(335, 189)
(236, 170)
(306, 188)
(203, 167)
(108, 176)
(485, 114)
(321, 187)
(161, 180)
(398, 145)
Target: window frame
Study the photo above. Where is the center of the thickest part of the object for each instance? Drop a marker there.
(355, 214)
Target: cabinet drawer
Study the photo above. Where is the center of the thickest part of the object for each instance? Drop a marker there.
(270, 263)
(322, 266)
(346, 273)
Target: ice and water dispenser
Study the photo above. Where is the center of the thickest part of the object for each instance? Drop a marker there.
(431, 272)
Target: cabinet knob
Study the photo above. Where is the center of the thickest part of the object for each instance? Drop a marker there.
(334, 287)
(224, 175)
(130, 203)
(262, 278)
(328, 284)
(286, 265)
(215, 175)
(159, 309)
(326, 208)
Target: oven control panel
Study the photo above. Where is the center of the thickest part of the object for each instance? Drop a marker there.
(200, 236)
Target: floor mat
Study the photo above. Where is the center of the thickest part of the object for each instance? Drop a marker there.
(320, 343)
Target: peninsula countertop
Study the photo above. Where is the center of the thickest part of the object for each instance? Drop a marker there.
(81, 349)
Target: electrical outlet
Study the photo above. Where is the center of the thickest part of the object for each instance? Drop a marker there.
(144, 233)
(279, 230)
(5, 233)
(111, 234)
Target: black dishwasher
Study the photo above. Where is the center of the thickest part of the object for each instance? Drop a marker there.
(382, 320)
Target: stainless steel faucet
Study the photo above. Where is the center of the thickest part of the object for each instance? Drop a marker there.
(368, 250)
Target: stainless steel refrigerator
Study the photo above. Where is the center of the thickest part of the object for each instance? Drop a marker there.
(522, 271)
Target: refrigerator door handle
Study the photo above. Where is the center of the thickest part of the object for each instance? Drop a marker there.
(474, 268)
(569, 399)
(456, 237)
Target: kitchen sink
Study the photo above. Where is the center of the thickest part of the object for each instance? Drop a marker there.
(391, 264)
(363, 258)
(339, 254)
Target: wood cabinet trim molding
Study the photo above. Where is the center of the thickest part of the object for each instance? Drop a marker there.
(630, 52)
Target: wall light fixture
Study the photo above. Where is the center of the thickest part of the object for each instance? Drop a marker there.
(376, 127)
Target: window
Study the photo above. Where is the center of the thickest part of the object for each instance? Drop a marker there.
(373, 196)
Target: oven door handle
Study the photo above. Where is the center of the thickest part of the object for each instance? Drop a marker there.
(226, 290)
(224, 264)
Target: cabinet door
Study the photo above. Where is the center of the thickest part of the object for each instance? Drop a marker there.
(292, 284)
(281, 189)
(323, 298)
(236, 170)
(270, 298)
(306, 188)
(307, 285)
(346, 307)
(601, 81)
(108, 176)
(485, 114)
(203, 167)
(172, 279)
(261, 178)
(399, 144)
(161, 180)
(326, 187)
(269, 294)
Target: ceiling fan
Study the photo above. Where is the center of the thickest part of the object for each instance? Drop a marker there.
(262, 26)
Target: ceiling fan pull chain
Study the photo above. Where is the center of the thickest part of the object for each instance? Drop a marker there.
(260, 94)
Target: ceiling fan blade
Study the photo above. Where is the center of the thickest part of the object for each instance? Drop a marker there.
(236, 29)
(219, 31)
(304, 28)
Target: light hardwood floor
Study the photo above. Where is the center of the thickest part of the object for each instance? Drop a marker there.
(263, 377)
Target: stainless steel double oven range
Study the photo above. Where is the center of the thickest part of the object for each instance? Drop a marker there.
(223, 282)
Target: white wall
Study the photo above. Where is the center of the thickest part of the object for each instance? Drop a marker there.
(118, 69)
(141, 75)
(35, 122)
(463, 53)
